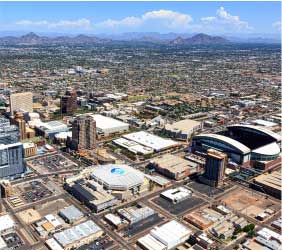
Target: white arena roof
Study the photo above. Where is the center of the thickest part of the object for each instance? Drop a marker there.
(244, 149)
(117, 177)
(150, 140)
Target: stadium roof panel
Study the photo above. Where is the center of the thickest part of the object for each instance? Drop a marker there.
(268, 132)
(241, 147)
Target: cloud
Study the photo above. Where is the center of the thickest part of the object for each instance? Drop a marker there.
(162, 18)
(82, 23)
(224, 21)
(277, 26)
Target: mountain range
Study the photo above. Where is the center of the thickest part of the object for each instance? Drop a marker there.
(150, 37)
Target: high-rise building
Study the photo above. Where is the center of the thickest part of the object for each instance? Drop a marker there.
(11, 159)
(21, 102)
(84, 132)
(215, 167)
(8, 133)
(19, 121)
(69, 102)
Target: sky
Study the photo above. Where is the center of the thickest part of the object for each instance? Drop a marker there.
(163, 17)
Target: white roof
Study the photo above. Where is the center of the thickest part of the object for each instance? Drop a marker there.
(53, 220)
(170, 233)
(133, 146)
(116, 220)
(264, 123)
(118, 177)
(104, 122)
(53, 244)
(241, 147)
(63, 135)
(150, 140)
(6, 222)
(177, 193)
(150, 243)
(267, 234)
(76, 233)
(269, 149)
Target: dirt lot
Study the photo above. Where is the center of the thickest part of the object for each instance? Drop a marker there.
(248, 202)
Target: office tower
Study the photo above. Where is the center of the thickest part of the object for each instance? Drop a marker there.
(8, 133)
(21, 102)
(19, 121)
(69, 102)
(11, 159)
(84, 132)
(215, 167)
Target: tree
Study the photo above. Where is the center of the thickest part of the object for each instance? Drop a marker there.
(249, 228)
(237, 230)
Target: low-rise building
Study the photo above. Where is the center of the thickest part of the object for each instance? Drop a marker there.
(70, 214)
(183, 129)
(78, 235)
(176, 195)
(173, 166)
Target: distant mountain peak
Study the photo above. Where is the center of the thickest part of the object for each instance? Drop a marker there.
(200, 38)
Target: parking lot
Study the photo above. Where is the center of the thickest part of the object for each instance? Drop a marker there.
(101, 243)
(180, 207)
(51, 163)
(142, 225)
(205, 189)
(35, 191)
(12, 240)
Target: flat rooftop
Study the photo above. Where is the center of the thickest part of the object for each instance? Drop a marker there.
(171, 162)
(272, 180)
(150, 140)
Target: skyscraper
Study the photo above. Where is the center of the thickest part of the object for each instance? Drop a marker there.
(21, 102)
(11, 159)
(84, 132)
(69, 102)
(8, 133)
(215, 167)
(19, 121)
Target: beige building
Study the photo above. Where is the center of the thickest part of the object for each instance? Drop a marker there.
(30, 149)
(183, 130)
(21, 101)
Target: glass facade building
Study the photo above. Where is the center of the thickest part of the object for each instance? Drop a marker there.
(11, 159)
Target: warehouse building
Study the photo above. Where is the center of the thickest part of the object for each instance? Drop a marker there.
(133, 215)
(78, 235)
(165, 237)
(269, 183)
(173, 166)
(107, 126)
(50, 129)
(6, 224)
(71, 214)
(148, 140)
(183, 130)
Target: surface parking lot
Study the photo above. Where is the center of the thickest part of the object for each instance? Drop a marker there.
(52, 163)
(35, 191)
(180, 207)
(12, 240)
(102, 243)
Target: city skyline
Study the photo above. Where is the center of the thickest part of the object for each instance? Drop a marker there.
(163, 17)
